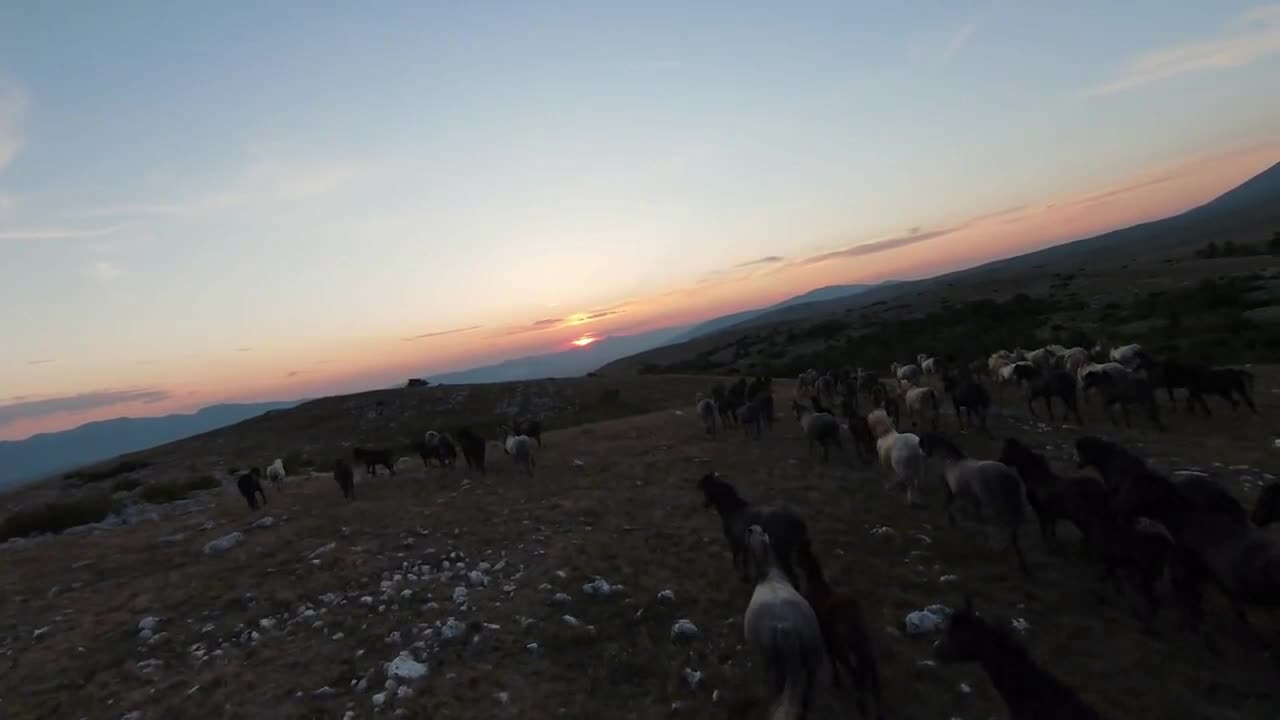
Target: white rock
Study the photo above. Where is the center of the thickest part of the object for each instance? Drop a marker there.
(403, 692)
(406, 594)
(929, 620)
(41, 632)
(503, 697)
(148, 623)
(477, 578)
(135, 715)
(964, 688)
(666, 596)
(224, 543)
(366, 600)
(394, 637)
(379, 700)
(406, 668)
(684, 629)
(266, 623)
(598, 587)
(452, 630)
(265, 521)
(561, 599)
(571, 621)
(1020, 625)
(693, 677)
(323, 549)
(948, 579)
(459, 595)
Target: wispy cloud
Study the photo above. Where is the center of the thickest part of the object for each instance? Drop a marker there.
(44, 361)
(56, 233)
(1243, 40)
(934, 47)
(13, 110)
(768, 260)
(438, 333)
(911, 237)
(268, 178)
(568, 321)
(957, 40)
(104, 270)
(1098, 197)
(294, 373)
(28, 409)
(244, 349)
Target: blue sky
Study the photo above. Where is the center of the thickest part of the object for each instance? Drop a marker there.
(196, 196)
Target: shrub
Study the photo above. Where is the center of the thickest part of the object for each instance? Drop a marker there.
(87, 476)
(159, 493)
(295, 461)
(57, 516)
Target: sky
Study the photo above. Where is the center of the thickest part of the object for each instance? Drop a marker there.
(208, 202)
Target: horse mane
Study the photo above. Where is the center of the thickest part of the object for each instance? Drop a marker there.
(946, 446)
(1020, 454)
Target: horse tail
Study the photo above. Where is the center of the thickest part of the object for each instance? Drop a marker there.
(791, 657)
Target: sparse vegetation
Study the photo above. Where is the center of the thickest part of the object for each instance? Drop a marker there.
(159, 493)
(54, 517)
(126, 484)
(98, 474)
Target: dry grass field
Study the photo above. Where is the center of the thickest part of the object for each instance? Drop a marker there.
(301, 617)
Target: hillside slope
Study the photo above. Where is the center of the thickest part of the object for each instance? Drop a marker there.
(40, 455)
(464, 574)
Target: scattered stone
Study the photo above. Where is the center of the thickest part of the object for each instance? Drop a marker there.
(884, 532)
(503, 697)
(459, 595)
(929, 620)
(571, 621)
(477, 579)
(666, 596)
(379, 700)
(1020, 625)
(324, 691)
(224, 543)
(265, 521)
(41, 632)
(453, 630)
(964, 688)
(561, 599)
(406, 668)
(266, 623)
(693, 677)
(600, 588)
(948, 578)
(684, 629)
(404, 691)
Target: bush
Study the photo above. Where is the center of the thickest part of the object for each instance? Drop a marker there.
(120, 468)
(159, 493)
(295, 462)
(57, 516)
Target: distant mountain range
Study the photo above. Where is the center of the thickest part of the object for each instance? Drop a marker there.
(829, 292)
(566, 363)
(48, 453)
(580, 361)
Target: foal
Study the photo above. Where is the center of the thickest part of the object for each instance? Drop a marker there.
(790, 535)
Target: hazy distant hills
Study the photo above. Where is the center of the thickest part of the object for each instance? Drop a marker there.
(580, 361)
(830, 292)
(566, 363)
(48, 453)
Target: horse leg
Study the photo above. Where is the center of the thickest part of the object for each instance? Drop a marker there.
(1030, 407)
(951, 497)
(1017, 550)
(1048, 406)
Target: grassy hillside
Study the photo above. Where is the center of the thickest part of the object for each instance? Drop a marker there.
(301, 617)
(1195, 307)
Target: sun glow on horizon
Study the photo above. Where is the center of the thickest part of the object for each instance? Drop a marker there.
(583, 341)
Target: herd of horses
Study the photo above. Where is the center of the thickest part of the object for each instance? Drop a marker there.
(1137, 525)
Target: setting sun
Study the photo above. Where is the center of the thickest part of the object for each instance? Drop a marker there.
(583, 341)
